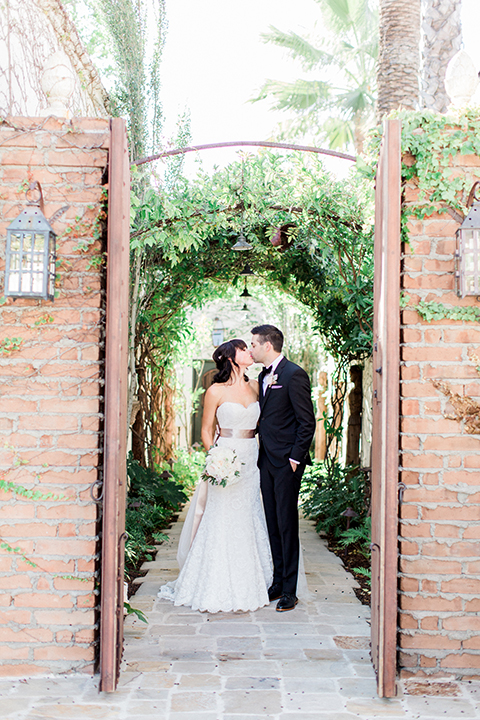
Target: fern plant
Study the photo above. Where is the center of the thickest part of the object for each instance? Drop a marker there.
(359, 535)
(327, 492)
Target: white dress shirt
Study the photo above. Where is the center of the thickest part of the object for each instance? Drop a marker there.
(266, 379)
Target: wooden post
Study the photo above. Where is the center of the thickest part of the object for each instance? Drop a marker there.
(115, 444)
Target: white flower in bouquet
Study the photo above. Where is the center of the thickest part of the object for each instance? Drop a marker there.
(222, 467)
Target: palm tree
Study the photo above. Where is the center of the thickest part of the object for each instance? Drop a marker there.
(398, 66)
(339, 104)
(442, 38)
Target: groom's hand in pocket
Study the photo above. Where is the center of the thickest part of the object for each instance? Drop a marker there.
(294, 465)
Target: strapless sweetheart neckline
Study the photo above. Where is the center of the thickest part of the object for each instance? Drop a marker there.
(232, 402)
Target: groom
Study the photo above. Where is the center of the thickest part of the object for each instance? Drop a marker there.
(286, 428)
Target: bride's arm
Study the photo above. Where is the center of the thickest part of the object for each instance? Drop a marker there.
(209, 420)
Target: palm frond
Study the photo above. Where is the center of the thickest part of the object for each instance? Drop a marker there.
(355, 100)
(299, 47)
(300, 94)
(338, 113)
(338, 132)
(344, 16)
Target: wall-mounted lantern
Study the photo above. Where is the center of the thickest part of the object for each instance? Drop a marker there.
(31, 254)
(217, 332)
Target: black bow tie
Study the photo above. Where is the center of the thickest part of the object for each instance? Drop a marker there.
(268, 370)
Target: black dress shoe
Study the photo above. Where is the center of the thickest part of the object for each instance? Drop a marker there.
(275, 592)
(287, 602)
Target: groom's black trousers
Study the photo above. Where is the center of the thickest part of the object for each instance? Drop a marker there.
(280, 488)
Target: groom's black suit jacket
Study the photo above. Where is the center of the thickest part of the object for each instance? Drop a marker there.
(287, 420)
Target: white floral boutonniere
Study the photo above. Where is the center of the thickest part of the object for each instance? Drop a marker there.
(272, 380)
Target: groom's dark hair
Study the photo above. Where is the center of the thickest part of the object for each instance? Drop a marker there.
(271, 334)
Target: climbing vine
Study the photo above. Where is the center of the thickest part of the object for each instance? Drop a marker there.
(310, 237)
(438, 311)
(17, 490)
(430, 145)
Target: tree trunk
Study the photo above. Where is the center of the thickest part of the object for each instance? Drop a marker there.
(132, 336)
(139, 440)
(354, 427)
(320, 435)
(398, 65)
(442, 38)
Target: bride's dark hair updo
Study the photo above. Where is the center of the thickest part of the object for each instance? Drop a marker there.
(224, 358)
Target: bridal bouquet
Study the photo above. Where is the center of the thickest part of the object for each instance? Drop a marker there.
(222, 467)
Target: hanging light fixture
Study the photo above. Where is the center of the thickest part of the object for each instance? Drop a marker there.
(30, 253)
(245, 308)
(242, 244)
(245, 292)
(247, 270)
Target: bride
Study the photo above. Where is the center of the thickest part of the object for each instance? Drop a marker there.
(224, 553)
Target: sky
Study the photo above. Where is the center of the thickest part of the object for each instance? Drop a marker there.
(214, 60)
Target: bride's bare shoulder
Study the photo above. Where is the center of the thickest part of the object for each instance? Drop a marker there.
(215, 391)
(255, 387)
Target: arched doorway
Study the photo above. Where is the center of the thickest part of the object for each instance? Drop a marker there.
(302, 267)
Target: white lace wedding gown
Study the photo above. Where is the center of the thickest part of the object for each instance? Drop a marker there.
(229, 565)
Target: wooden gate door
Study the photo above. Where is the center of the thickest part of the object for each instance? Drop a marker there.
(386, 364)
(115, 433)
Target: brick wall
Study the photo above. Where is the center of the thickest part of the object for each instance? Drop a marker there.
(439, 526)
(50, 405)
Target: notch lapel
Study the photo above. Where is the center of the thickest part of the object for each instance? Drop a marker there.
(260, 388)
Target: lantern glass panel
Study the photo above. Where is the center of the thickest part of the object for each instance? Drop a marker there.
(15, 242)
(39, 242)
(467, 236)
(37, 284)
(469, 263)
(470, 284)
(26, 282)
(27, 242)
(13, 282)
(51, 284)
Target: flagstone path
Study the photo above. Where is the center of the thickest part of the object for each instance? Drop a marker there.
(312, 663)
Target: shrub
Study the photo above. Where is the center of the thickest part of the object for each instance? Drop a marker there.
(152, 499)
(153, 487)
(326, 493)
(188, 468)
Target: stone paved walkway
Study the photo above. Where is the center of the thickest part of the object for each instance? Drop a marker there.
(309, 664)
